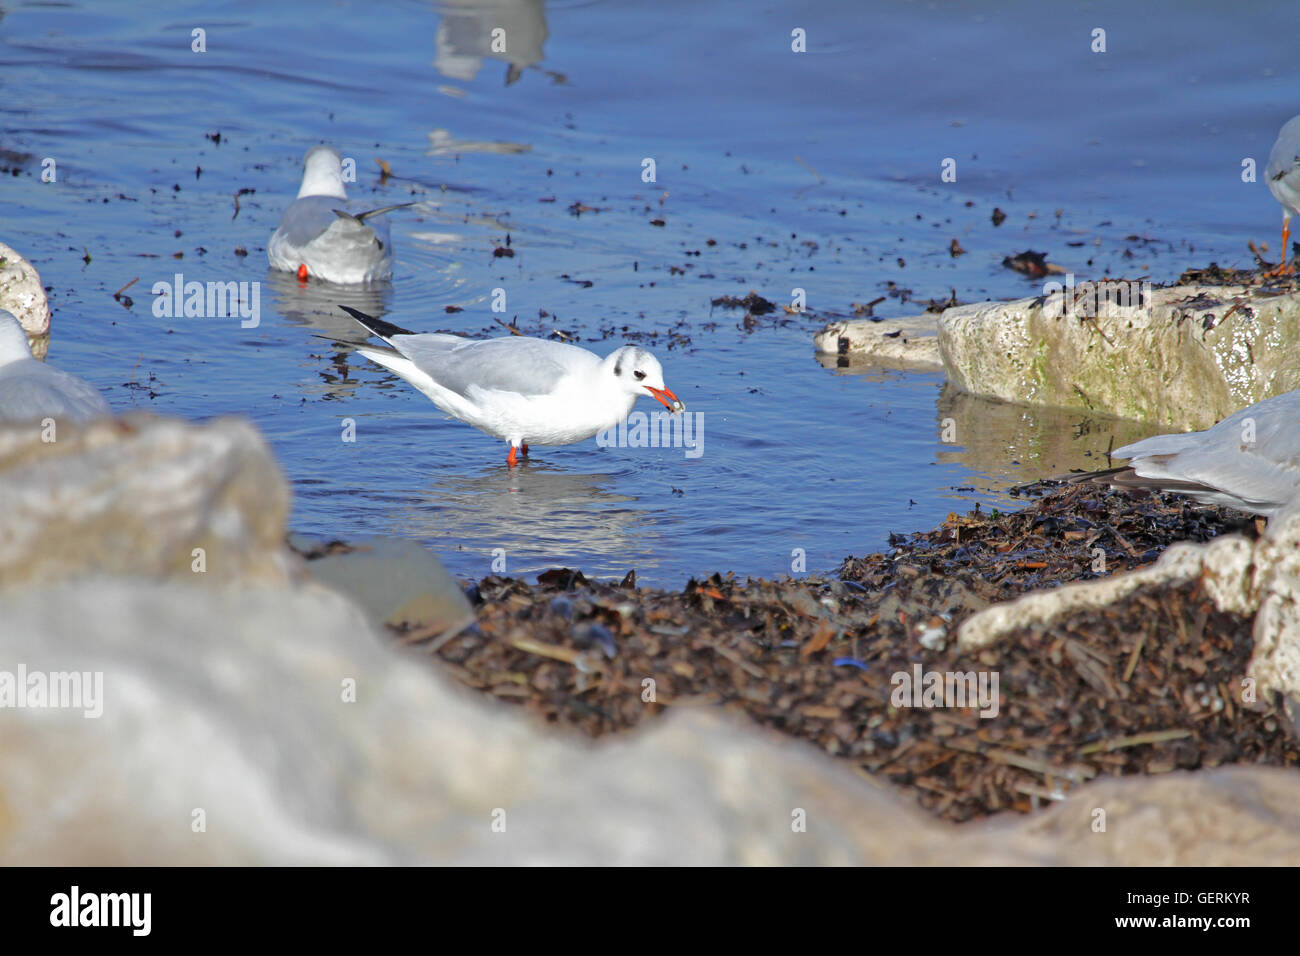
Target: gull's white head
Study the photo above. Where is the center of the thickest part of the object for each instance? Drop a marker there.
(637, 372)
(322, 173)
(13, 339)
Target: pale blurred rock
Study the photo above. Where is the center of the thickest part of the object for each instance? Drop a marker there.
(1182, 357)
(233, 703)
(214, 700)
(1230, 816)
(396, 580)
(136, 497)
(22, 294)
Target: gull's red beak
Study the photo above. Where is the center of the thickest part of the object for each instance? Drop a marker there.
(666, 398)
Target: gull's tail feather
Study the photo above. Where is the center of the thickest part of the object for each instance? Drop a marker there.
(376, 326)
(1089, 477)
(363, 216)
(1125, 478)
(1122, 476)
(390, 358)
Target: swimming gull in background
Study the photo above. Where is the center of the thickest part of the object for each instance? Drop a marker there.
(519, 389)
(1283, 177)
(324, 236)
(31, 391)
(1249, 461)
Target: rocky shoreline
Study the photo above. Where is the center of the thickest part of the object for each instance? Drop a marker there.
(1147, 685)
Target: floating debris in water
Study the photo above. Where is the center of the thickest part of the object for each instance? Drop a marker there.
(1032, 264)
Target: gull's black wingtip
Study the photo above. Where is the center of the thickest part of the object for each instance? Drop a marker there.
(374, 325)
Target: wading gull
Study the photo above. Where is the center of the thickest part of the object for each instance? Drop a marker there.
(519, 389)
(1249, 461)
(324, 236)
(31, 390)
(1283, 177)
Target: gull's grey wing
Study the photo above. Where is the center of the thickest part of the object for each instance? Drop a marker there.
(1263, 473)
(31, 390)
(307, 218)
(522, 365)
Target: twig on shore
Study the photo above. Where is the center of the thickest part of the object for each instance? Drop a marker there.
(1137, 740)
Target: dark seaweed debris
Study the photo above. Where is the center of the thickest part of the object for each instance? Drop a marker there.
(754, 304)
(1147, 685)
(1072, 533)
(1030, 263)
(1214, 274)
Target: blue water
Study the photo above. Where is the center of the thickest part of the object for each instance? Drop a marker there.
(816, 170)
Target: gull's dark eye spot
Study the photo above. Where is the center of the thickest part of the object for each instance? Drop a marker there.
(639, 375)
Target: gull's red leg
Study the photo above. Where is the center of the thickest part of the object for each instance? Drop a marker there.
(525, 449)
(1282, 268)
(512, 459)
(302, 272)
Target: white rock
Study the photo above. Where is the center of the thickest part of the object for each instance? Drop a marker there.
(397, 581)
(910, 342)
(22, 294)
(138, 496)
(1185, 357)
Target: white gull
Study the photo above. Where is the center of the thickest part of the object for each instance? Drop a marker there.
(1283, 177)
(31, 391)
(324, 236)
(1249, 461)
(519, 389)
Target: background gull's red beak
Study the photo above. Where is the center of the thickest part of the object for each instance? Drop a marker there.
(669, 400)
